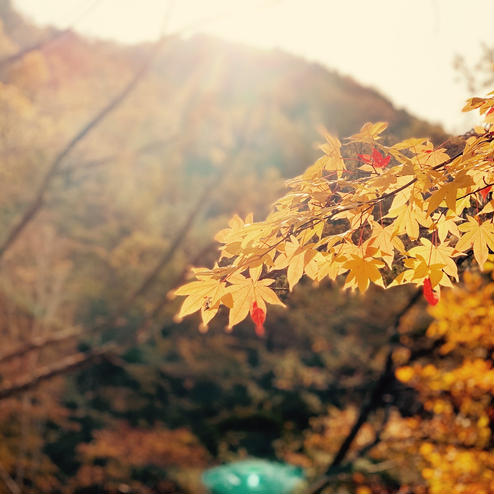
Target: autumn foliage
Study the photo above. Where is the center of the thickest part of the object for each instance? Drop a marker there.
(408, 223)
(413, 222)
(361, 306)
(452, 438)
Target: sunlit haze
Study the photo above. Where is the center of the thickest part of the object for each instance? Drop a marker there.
(403, 49)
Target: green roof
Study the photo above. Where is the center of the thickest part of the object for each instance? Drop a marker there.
(252, 477)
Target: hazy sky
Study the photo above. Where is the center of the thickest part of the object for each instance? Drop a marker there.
(403, 48)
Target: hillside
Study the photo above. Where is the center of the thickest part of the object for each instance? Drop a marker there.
(212, 129)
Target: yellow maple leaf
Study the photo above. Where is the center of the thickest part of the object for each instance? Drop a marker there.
(437, 255)
(369, 132)
(362, 272)
(413, 142)
(244, 292)
(386, 240)
(480, 236)
(446, 224)
(204, 294)
(449, 192)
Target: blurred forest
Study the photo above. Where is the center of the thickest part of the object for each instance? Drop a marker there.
(101, 390)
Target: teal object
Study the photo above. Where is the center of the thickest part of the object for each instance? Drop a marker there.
(252, 477)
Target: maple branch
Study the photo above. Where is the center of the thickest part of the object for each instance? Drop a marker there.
(411, 182)
(475, 191)
(338, 210)
(399, 189)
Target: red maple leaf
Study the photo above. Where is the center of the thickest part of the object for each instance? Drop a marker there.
(429, 294)
(376, 159)
(485, 191)
(258, 316)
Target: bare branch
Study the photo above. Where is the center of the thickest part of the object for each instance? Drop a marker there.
(369, 406)
(79, 360)
(375, 398)
(68, 364)
(38, 344)
(34, 47)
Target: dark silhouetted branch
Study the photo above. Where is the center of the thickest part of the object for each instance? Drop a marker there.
(38, 344)
(68, 364)
(377, 439)
(375, 398)
(373, 401)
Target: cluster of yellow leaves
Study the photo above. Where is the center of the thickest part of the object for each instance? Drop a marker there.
(207, 293)
(458, 472)
(464, 385)
(450, 454)
(387, 225)
(453, 439)
(476, 309)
